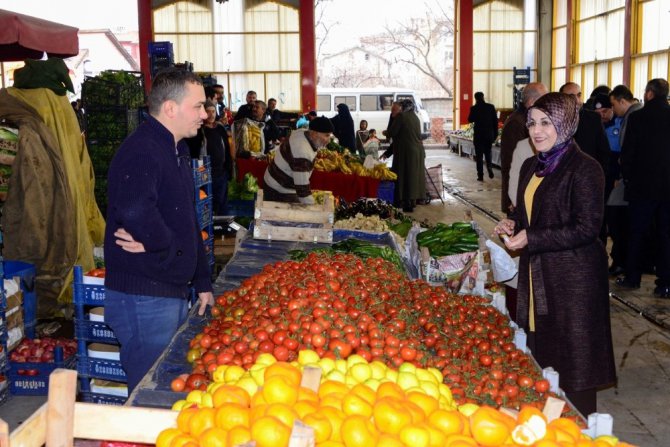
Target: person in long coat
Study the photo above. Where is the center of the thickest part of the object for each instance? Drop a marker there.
(563, 299)
(344, 128)
(408, 157)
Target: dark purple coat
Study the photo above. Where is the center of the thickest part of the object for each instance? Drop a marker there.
(569, 265)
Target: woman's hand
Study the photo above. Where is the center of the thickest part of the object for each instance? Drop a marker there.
(517, 242)
(504, 227)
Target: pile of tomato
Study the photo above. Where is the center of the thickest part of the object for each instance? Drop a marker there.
(338, 305)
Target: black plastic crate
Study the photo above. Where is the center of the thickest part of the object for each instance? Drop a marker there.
(101, 399)
(113, 88)
(110, 122)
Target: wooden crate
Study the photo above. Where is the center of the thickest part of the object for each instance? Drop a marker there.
(321, 216)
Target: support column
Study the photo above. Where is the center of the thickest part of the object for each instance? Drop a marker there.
(568, 43)
(146, 32)
(307, 56)
(465, 60)
(627, 41)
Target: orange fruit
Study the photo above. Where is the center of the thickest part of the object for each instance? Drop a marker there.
(231, 394)
(490, 427)
(365, 392)
(202, 195)
(258, 399)
(449, 422)
(213, 437)
(231, 415)
(201, 421)
(418, 415)
(358, 431)
(415, 435)
(279, 389)
(331, 444)
(268, 431)
(303, 408)
(336, 418)
(390, 415)
(333, 400)
(166, 436)
(546, 443)
(427, 403)
(257, 412)
(184, 440)
(330, 387)
(389, 441)
(321, 426)
(238, 435)
(286, 370)
(283, 412)
(305, 394)
(527, 411)
(355, 404)
(460, 441)
(183, 417)
(437, 438)
(390, 389)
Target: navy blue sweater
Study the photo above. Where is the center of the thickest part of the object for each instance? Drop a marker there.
(152, 196)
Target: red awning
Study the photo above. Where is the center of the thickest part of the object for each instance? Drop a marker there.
(25, 37)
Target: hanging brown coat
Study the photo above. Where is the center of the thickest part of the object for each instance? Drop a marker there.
(569, 268)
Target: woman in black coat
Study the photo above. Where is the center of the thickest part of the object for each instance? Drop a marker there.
(563, 300)
(344, 128)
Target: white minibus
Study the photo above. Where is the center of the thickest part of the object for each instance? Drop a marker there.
(370, 104)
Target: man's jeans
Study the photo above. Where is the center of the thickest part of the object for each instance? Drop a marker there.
(144, 326)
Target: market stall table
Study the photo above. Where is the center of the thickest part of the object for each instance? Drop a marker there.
(348, 186)
(465, 146)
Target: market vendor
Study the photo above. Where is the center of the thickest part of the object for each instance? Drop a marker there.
(287, 176)
(153, 247)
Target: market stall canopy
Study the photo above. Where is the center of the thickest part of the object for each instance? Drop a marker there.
(25, 37)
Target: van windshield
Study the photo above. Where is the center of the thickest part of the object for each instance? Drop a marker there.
(417, 101)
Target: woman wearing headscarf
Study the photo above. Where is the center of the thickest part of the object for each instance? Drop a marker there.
(344, 128)
(563, 301)
(408, 157)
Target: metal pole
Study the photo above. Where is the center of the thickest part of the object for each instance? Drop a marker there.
(2, 73)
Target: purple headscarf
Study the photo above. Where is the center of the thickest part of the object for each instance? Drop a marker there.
(563, 112)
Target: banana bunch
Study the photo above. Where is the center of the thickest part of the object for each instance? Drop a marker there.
(382, 172)
(332, 161)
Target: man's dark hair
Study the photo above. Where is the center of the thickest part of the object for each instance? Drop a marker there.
(209, 92)
(215, 86)
(658, 86)
(564, 86)
(622, 92)
(271, 99)
(600, 90)
(170, 85)
(479, 96)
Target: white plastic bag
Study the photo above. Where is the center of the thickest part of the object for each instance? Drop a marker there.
(370, 162)
(503, 266)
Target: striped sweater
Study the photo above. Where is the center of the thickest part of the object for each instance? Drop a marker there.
(287, 177)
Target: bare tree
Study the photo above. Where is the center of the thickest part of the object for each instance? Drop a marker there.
(415, 41)
(322, 28)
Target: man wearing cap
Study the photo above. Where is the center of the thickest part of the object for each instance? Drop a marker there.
(287, 177)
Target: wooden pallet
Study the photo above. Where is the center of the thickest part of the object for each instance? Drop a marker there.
(320, 215)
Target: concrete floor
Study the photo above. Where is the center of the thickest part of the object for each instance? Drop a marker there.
(638, 403)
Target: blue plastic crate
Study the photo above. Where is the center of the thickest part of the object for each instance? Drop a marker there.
(101, 399)
(26, 273)
(203, 209)
(38, 384)
(385, 191)
(239, 208)
(97, 331)
(100, 368)
(201, 172)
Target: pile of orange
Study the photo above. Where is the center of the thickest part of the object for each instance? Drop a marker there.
(354, 417)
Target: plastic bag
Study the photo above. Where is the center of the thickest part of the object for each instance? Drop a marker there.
(370, 162)
(503, 266)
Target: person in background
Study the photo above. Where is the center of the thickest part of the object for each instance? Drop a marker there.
(218, 100)
(248, 136)
(396, 108)
(645, 166)
(246, 110)
(623, 104)
(218, 149)
(408, 158)
(512, 133)
(372, 145)
(563, 296)
(270, 129)
(600, 90)
(484, 117)
(344, 127)
(272, 111)
(153, 248)
(287, 176)
(304, 120)
(362, 135)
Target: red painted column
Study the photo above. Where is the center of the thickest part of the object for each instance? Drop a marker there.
(465, 65)
(146, 33)
(307, 56)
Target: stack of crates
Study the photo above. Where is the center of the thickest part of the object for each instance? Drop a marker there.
(161, 55)
(114, 102)
(4, 384)
(202, 176)
(90, 329)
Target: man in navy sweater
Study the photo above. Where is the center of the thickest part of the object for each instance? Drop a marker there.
(153, 248)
